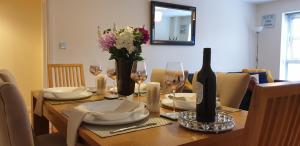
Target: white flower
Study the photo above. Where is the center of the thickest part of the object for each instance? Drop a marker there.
(129, 29)
(125, 40)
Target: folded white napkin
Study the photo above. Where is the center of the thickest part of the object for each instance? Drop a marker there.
(78, 114)
(67, 95)
(75, 118)
(143, 87)
(187, 103)
(38, 110)
(59, 93)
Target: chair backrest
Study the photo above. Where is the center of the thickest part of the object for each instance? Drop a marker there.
(274, 115)
(65, 75)
(254, 70)
(231, 87)
(158, 75)
(6, 76)
(15, 127)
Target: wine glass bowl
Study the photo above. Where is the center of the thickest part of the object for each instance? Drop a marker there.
(112, 74)
(139, 74)
(138, 77)
(174, 80)
(95, 69)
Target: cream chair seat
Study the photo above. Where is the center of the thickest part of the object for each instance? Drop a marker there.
(231, 87)
(6, 76)
(15, 129)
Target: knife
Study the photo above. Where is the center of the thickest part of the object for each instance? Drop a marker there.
(132, 127)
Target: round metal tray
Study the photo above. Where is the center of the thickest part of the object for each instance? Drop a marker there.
(224, 122)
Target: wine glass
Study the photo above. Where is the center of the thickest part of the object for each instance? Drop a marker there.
(174, 80)
(112, 74)
(139, 75)
(95, 69)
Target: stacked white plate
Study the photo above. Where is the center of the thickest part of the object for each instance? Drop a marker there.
(183, 101)
(66, 93)
(114, 112)
(143, 88)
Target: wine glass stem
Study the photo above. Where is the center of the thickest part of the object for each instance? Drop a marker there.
(115, 87)
(139, 93)
(173, 91)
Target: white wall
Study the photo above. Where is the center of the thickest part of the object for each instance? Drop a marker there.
(224, 25)
(270, 38)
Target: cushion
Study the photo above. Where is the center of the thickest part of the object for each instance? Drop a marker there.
(232, 88)
(269, 75)
(262, 77)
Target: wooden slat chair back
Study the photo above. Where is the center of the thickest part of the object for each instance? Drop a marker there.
(65, 75)
(274, 116)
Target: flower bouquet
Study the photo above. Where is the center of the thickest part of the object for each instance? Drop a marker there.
(125, 47)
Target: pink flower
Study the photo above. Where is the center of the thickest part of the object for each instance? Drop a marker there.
(145, 34)
(107, 41)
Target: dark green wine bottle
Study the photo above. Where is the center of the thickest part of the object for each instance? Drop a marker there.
(206, 82)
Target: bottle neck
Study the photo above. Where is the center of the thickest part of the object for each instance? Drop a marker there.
(206, 58)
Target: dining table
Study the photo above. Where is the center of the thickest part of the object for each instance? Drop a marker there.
(168, 135)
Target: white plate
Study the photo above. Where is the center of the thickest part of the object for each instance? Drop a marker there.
(66, 93)
(110, 105)
(188, 104)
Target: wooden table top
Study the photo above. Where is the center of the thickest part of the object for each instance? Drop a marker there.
(169, 135)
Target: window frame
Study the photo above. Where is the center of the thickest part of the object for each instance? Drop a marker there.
(290, 38)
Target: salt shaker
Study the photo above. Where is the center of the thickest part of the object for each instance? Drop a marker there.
(153, 89)
(101, 84)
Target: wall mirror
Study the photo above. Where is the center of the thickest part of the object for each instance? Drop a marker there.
(172, 24)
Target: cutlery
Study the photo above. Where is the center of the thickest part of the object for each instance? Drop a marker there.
(132, 127)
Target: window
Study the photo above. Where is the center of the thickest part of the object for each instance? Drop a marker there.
(292, 54)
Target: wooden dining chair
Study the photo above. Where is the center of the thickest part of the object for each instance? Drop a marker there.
(15, 129)
(7, 76)
(274, 116)
(65, 75)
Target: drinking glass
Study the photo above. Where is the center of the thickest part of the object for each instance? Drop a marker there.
(112, 74)
(95, 69)
(139, 75)
(174, 80)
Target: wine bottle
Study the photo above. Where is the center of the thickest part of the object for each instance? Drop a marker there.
(205, 88)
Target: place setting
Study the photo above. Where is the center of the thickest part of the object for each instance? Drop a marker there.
(62, 95)
(108, 118)
(123, 114)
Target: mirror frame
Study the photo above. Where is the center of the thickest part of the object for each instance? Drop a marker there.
(172, 6)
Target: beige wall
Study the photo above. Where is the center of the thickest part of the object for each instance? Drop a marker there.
(21, 48)
(224, 25)
(270, 38)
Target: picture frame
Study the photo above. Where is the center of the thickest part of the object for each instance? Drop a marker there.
(268, 21)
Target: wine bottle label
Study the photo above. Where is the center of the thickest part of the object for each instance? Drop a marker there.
(198, 89)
